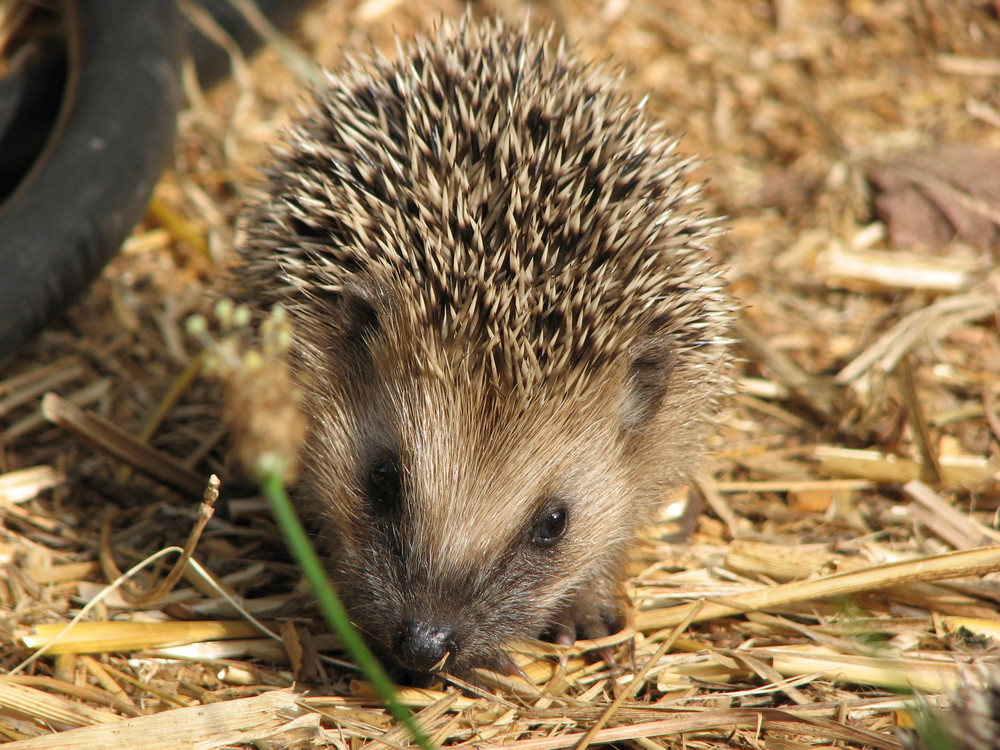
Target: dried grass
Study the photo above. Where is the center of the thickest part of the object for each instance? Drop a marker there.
(846, 553)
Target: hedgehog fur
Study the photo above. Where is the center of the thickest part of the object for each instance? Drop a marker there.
(510, 335)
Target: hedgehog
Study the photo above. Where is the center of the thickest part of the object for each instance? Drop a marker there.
(511, 336)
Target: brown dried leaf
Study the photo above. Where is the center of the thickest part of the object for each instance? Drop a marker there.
(933, 197)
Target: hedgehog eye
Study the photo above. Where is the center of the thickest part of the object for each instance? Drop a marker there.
(384, 488)
(549, 527)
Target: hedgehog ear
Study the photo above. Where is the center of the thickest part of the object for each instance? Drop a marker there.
(358, 315)
(650, 369)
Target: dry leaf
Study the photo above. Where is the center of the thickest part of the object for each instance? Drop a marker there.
(933, 197)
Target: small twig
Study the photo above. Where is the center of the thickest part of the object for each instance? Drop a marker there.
(639, 679)
(936, 568)
(989, 408)
(116, 442)
(957, 529)
(818, 396)
(918, 421)
(705, 486)
(936, 319)
(134, 595)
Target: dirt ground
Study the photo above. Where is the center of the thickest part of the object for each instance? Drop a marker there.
(853, 146)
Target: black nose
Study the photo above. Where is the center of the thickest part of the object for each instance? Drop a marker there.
(421, 645)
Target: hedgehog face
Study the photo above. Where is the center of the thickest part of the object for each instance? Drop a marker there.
(464, 518)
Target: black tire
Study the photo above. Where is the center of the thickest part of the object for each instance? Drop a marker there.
(92, 181)
(113, 136)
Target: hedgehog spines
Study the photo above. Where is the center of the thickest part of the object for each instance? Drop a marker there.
(522, 206)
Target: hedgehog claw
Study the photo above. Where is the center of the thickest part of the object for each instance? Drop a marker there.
(511, 669)
(608, 657)
(564, 637)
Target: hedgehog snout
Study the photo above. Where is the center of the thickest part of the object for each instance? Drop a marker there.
(421, 646)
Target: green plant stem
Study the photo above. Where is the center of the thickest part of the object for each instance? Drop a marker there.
(330, 604)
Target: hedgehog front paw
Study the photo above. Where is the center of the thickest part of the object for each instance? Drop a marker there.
(588, 617)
